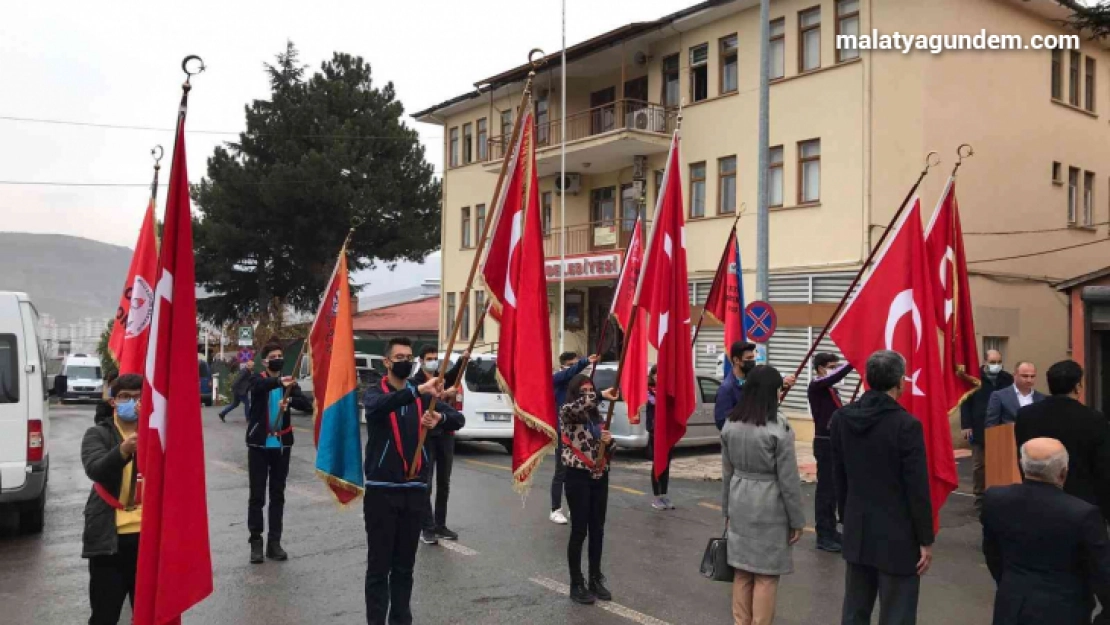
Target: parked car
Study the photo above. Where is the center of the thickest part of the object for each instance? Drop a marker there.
(488, 411)
(700, 429)
(84, 378)
(368, 367)
(205, 373)
(24, 415)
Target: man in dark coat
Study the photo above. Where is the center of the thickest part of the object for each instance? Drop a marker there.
(882, 488)
(824, 401)
(240, 389)
(1048, 551)
(1084, 432)
(973, 416)
(440, 447)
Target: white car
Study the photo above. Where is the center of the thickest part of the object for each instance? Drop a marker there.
(488, 411)
(84, 378)
(24, 416)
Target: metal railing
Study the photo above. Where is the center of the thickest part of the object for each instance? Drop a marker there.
(620, 115)
(598, 236)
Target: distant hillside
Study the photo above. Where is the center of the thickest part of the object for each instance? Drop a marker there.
(68, 277)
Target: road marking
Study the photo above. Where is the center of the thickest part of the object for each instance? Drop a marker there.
(608, 606)
(713, 506)
(490, 465)
(625, 489)
(457, 548)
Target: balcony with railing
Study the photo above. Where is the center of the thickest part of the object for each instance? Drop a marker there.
(598, 236)
(602, 137)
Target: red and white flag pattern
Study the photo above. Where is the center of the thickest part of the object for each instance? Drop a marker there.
(131, 330)
(633, 382)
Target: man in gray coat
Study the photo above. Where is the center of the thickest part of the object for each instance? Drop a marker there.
(882, 488)
(1005, 403)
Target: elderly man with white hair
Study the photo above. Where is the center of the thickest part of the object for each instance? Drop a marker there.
(1047, 550)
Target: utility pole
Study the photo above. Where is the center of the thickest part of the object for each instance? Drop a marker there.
(762, 218)
(563, 192)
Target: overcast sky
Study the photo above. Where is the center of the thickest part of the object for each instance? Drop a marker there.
(118, 63)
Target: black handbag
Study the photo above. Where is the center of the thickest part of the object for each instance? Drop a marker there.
(714, 564)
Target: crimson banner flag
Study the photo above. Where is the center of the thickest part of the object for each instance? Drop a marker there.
(725, 301)
(633, 382)
(664, 297)
(131, 330)
(175, 562)
(517, 285)
(944, 244)
(894, 310)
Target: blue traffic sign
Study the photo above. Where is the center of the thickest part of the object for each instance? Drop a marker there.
(760, 321)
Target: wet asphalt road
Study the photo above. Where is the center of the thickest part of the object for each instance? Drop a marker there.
(508, 567)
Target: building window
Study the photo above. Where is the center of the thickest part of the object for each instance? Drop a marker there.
(697, 190)
(996, 343)
(658, 185)
(483, 139)
(479, 307)
(479, 221)
(777, 56)
(1073, 75)
(468, 144)
(729, 74)
(1089, 86)
(465, 227)
(699, 72)
(453, 157)
(543, 128)
(1057, 75)
(450, 325)
(809, 171)
(1073, 194)
(1056, 173)
(809, 39)
(1088, 199)
(464, 325)
(847, 23)
(506, 126)
(726, 185)
(545, 201)
(670, 81)
(774, 177)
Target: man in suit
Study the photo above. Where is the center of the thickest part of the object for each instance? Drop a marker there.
(973, 418)
(882, 488)
(1005, 403)
(1047, 551)
(1084, 432)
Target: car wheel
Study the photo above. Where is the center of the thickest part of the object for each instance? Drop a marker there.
(508, 445)
(33, 518)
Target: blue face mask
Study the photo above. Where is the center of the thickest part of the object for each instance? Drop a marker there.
(127, 410)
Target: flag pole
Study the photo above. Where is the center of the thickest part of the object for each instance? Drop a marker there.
(470, 347)
(609, 317)
(859, 274)
(156, 153)
(525, 98)
(723, 263)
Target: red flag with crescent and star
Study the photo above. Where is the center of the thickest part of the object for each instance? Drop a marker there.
(944, 244)
(894, 310)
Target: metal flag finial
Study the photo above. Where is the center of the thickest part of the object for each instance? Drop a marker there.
(185, 67)
(534, 62)
(157, 153)
(929, 161)
(961, 155)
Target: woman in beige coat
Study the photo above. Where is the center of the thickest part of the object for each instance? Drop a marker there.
(762, 497)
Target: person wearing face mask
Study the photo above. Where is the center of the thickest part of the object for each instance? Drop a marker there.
(824, 400)
(113, 514)
(396, 492)
(882, 490)
(742, 357)
(570, 365)
(582, 431)
(269, 448)
(973, 418)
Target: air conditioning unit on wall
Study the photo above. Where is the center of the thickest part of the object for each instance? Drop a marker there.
(568, 183)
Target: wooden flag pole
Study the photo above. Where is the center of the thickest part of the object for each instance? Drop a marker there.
(470, 347)
(525, 98)
(859, 274)
(723, 263)
(620, 368)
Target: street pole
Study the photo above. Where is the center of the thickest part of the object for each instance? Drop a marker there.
(563, 193)
(762, 217)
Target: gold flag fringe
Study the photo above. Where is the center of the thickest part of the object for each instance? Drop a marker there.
(331, 480)
(961, 371)
(522, 476)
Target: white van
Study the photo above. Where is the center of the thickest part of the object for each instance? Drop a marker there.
(84, 378)
(488, 411)
(24, 415)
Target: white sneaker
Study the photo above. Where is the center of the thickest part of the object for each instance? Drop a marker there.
(558, 518)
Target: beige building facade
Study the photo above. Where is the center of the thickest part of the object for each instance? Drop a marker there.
(849, 132)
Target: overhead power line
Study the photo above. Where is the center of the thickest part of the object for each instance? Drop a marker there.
(1040, 253)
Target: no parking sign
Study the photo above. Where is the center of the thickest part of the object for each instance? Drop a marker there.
(760, 321)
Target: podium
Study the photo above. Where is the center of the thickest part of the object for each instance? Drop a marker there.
(1002, 456)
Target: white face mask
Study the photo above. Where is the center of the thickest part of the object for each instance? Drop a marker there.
(994, 369)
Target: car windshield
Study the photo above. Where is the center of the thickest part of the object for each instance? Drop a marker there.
(75, 372)
(481, 376)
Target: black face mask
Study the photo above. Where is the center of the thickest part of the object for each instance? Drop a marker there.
(402, 369)
(275, 364)
(746, 366)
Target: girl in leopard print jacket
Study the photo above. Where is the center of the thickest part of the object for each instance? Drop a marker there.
(582, 428)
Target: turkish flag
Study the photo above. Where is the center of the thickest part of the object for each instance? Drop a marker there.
(130, 332)
(663, 295)
(517, 285)
(944, 245)
(725, 301)
(175, 562)
(898, 290)
(633, 382)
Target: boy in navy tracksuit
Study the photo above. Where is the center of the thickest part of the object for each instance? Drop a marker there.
(824, 400)
(396, 408)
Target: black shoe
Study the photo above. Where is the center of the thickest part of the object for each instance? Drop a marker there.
(831, 546)
(446, 534)
(598, 589)
(428, 537)
(275, 552)
(256, 551)
(580, 594)
(223, 418)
